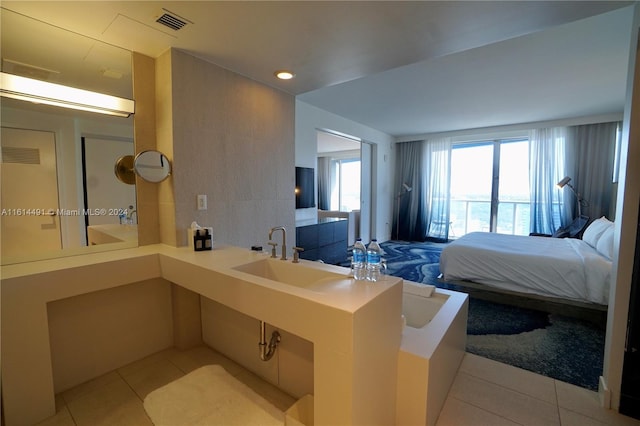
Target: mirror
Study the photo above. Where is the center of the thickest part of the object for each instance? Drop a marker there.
(152, 166)
(72, 151)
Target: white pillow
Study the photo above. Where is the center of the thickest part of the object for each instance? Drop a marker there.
(605, 243)
(595, 230)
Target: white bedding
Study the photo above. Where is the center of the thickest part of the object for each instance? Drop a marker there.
(567, 268)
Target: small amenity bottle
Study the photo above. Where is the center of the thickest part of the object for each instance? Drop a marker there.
(359, 261)
(374, 260)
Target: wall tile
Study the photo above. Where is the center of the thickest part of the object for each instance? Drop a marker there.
(233, 139)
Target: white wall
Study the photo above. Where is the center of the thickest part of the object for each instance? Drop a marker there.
(512, 130)
(231, 139)
(95, 333)
(309, 119)
(625, 228)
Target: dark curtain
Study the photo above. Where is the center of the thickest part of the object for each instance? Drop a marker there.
(409, 223)
(324, 183)
(589, 162)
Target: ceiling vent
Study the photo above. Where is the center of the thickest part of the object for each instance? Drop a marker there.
(171, 20)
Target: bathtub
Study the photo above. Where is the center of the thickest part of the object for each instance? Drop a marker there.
(433, 344)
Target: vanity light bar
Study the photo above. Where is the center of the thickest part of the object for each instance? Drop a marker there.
(42, 92)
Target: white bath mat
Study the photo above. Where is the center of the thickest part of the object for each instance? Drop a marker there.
(209, 396)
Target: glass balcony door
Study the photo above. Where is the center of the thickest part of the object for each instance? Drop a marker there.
(470, 190)
(490, 187)
(514, 215)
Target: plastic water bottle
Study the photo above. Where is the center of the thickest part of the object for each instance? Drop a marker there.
(374, 260)
(359, 260)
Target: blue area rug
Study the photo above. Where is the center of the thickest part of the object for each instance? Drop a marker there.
(567, 349)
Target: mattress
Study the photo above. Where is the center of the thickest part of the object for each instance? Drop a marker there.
(564, 268)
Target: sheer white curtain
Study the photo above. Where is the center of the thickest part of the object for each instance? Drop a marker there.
(423, 212)
(437, 161)
(546, 169)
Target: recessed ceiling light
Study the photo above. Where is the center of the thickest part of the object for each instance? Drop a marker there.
(284, 75)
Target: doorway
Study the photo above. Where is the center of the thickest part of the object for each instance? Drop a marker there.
(30, 225)
(344, 177)
(103, 190)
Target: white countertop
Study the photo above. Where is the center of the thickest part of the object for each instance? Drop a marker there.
(110, 233)
(345, 294)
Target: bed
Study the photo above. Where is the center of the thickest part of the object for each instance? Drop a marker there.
(560, 268)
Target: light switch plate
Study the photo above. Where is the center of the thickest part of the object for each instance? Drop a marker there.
(202, 202)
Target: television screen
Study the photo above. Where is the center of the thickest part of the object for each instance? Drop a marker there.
(305, 196)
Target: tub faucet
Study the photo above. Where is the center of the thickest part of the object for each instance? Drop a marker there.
(284, 240)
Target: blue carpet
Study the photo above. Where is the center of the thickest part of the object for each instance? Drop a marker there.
(567, 349)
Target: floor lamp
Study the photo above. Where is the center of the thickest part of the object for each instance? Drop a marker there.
(565, 181)
(405, 190)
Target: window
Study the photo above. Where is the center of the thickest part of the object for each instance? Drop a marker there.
(345, 188)
(490, 187)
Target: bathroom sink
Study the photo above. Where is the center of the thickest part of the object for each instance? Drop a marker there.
(295, 274)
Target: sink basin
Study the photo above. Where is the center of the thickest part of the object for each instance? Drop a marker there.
(295, 274)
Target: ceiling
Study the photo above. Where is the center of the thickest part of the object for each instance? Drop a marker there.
(329, 143)
(404, 68)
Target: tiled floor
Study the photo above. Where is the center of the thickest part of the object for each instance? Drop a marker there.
(485, 392)
(490, 393)
(116, 398)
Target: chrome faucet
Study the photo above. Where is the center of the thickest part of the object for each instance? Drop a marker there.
(130, 215)
(284, 240)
